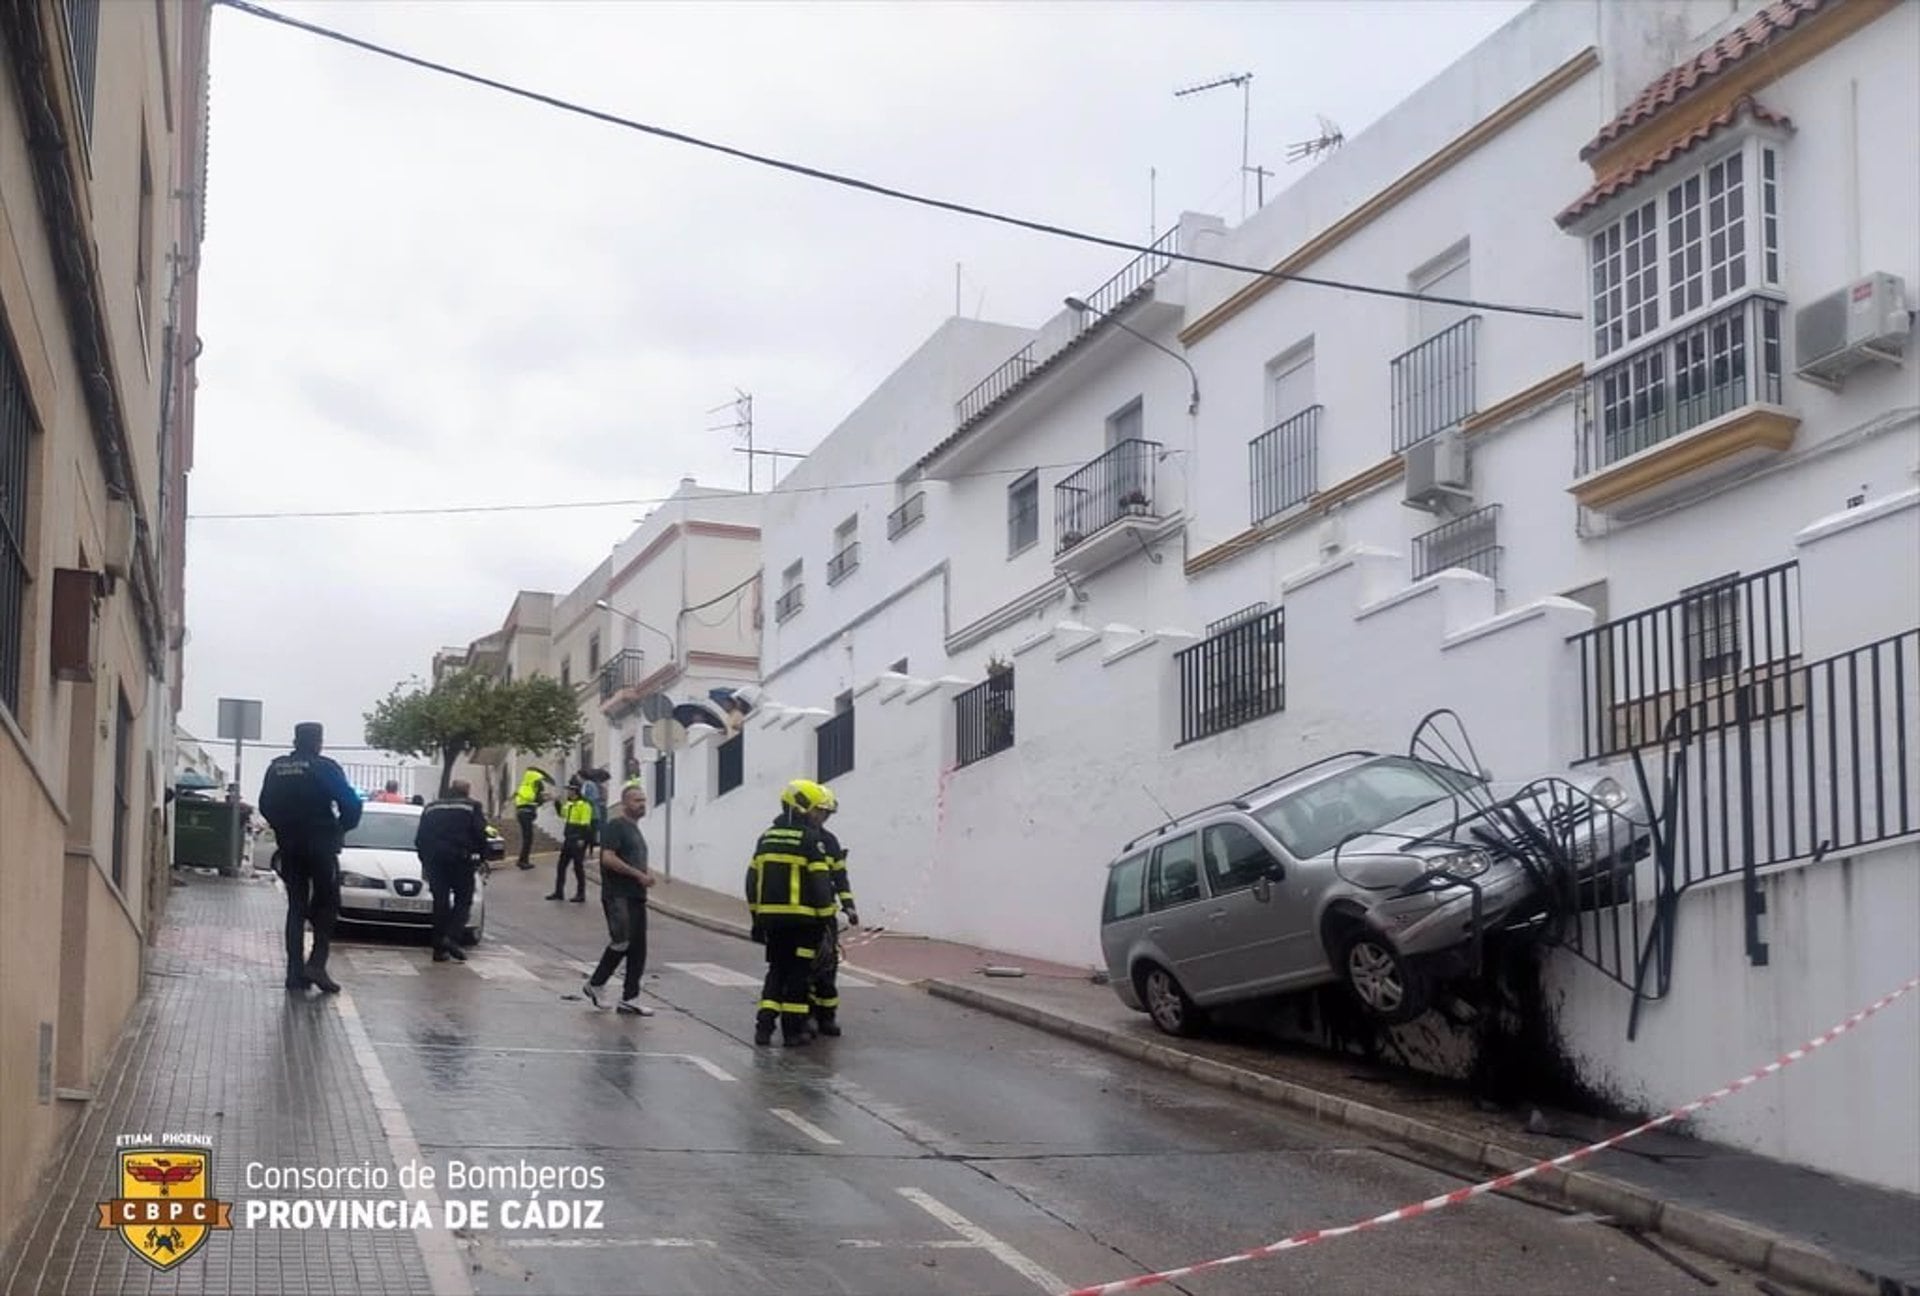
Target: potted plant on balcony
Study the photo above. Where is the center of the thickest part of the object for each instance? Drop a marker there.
(1135, 502)
(999, 674)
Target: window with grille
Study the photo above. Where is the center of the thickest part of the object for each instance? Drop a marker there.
(17, 434)
(1710, 627)
(1023, 513)
(593, 652)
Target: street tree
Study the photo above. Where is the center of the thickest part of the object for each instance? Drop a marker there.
(466, 711)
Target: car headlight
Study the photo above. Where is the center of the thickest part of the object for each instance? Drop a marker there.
(1461, 864)
(1609, 793)
(362, 881)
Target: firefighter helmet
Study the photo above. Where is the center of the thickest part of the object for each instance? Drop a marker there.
(829, 802)
(805, 795)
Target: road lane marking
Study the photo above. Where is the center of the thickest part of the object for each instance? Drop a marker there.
(446, 1268)
(877, 976)
(714, 974)
(381, 963)
(710, 1067)
(572, 1243)
(493, 967)
(1032, 1271)
(937, 1244)
(805, 1126)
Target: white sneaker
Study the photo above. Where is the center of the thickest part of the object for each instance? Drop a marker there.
(592, 992)
(633, 1007)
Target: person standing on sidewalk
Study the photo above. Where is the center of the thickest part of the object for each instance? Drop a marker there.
(576, 814)
(526, 804)
(823, 991)
(451, 839)
(307, 801)
(789, 893)
(624, 879)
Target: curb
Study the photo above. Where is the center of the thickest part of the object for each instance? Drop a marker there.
(721, 925)
(1706, 1231)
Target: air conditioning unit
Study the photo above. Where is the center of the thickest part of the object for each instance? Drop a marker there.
(1436, 471)
(1867, 320)
(122, 536)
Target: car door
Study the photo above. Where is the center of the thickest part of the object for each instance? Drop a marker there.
(1263, 939)
(1177, 923)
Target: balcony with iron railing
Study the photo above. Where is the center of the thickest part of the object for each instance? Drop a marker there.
(1283, 465)
(1469, 542)
(1131, 280)
(1115, 493)
(619, 675)
(1434, 383)
(789, 602)
(844, 563)
(909, 515)
(1703, 396)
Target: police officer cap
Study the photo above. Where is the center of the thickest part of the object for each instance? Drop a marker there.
(307, 733)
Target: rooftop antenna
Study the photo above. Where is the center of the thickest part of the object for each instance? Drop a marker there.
(1330, 139)
(742, 407)
(1245, 81)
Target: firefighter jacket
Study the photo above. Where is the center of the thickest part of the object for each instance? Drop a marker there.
(531, 785)
(837, 868)
(789, 882)
(452, 830)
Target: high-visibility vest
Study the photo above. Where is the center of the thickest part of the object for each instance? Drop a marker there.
(579, 813)
(529, 793)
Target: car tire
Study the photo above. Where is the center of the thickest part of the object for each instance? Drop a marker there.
(1379, 978)
(1167, 1002)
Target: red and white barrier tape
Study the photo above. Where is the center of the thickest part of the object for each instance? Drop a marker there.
(874, 931)
(1460, 1195)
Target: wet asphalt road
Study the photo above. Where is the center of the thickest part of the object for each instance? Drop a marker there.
(931, 1149)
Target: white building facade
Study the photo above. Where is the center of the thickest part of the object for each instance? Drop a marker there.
(1203, 526)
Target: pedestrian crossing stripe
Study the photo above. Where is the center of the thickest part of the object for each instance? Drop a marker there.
(715, 974)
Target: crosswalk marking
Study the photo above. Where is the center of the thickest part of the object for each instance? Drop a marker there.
(492, 967)
(381, 963)
(714, 974)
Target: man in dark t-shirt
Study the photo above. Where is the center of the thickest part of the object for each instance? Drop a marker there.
(624, 879)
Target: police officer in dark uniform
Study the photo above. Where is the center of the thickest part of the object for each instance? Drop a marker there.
(312, 807)
(450, 841)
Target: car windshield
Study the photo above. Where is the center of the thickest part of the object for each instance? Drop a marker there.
(383, 832)
(1364, 799)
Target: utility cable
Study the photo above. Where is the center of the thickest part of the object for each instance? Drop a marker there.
(872, 187)
(619, 503)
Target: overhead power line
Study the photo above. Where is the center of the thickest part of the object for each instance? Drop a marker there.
(872, 187)
(553, 505)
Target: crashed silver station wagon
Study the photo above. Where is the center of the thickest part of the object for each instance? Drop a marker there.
(1361, 868)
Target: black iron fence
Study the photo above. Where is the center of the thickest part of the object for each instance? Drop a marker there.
(1470, 541)
(996, 385)
(1132, 277)
(842, 564)
(789, 602)
(1433, 383)
(833, 747)
(1283, 465)
(730, 768)
(983, 719)
(907, 516)
(1119, 484)
(1728, 360)
(1234, 676)
(1696, 655)
(624, 670)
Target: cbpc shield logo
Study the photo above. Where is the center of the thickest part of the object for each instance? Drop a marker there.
(166, 1209)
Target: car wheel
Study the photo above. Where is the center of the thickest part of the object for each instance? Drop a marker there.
(1379, 979)
(1167, 1003)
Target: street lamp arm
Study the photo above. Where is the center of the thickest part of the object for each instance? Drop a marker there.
(1193, 404)
(673, 652)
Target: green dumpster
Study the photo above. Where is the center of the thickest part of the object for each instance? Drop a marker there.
(203, 833)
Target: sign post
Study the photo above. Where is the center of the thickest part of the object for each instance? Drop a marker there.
(240, 721)
(667, 734)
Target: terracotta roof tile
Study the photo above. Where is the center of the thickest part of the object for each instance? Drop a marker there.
(1628, 176)
(1752, 36)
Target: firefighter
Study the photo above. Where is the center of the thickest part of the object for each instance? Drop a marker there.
(451, 842)
(580, 832)
(823, 992)
(311, 807)
(526, 804)
(789, 893)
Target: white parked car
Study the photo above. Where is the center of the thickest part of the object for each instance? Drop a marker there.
(381, 882)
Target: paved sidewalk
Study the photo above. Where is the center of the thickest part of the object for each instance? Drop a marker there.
(217, 1047)
(1796, 1224)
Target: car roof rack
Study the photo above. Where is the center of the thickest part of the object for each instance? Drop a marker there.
(1239, 802)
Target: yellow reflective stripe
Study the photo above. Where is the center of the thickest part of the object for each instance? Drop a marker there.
(771, 1005)
(804, 910)
(802, 1009)
(834, 1002)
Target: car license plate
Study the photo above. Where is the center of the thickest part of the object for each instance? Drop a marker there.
(407, 904)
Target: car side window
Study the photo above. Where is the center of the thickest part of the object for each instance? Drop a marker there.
(1175, 878)
(1235, 858)
(1123, 889)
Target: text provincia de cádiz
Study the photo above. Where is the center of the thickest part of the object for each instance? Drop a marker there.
(422, 1207)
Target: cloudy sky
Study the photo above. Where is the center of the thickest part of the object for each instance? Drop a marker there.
(417, 292)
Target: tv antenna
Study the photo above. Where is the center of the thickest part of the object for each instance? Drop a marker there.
(1329, 140)
(742, 407)
(1245, 81)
